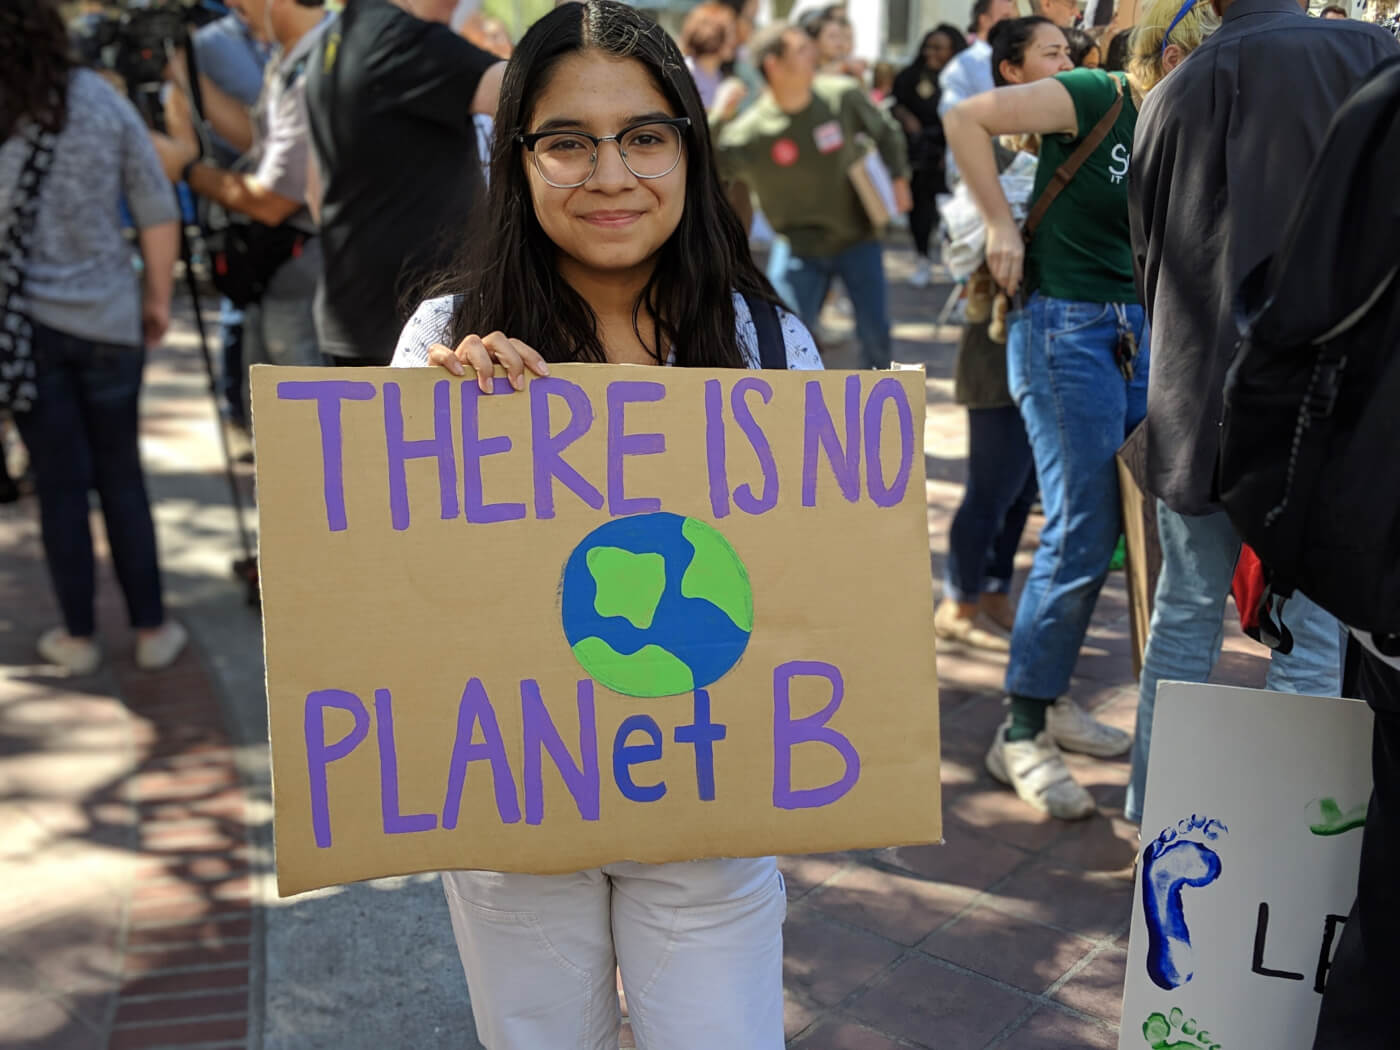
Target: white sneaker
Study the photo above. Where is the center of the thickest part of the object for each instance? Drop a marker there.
(154, 652)
(922, 275)
(75, 655)
(1074, 730)
(1037, 772)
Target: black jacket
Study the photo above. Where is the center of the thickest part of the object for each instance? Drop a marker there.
(1223, 147)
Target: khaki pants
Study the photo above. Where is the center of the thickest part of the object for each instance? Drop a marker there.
(699, 945)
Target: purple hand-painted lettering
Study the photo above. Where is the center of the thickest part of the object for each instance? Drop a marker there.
(622, 444)
(476, 708)
(888, 389)
(789, 732)
(475, 448)
(548, 448)
(395, 823)
(703, 733)
(744, 498)
(820, 431)
(401, 450)
(328, 394)
(714, 448)
(540, 735)
(320, 754)
(626, 755)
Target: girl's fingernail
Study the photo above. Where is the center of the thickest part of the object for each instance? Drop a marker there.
(544, 369)
(518, 382)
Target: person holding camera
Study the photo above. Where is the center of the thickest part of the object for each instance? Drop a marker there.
(233, 58)
(278, 258)
(75, 317)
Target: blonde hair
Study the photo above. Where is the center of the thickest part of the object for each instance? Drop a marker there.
(1145, 69)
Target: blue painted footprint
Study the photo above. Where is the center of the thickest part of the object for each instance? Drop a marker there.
(1175, 859)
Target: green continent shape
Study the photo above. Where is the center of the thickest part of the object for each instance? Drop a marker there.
(716, 574)
(629, 585)
(650, 671)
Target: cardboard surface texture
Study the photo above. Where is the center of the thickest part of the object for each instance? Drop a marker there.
(625, 614)
(1251, 839)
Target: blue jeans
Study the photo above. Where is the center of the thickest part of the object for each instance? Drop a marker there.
(1078, 408)
(1000, 489)
(82, 435)
(806, 280)
(1188, 618)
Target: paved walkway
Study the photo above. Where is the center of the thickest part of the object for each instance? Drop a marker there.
(135, 829)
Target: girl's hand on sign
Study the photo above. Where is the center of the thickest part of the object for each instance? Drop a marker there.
(482, 356)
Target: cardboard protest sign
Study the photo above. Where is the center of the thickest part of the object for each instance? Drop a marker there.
(1251, 842)
(651, 614)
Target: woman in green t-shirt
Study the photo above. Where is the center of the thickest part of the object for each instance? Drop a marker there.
(1077, 362)
(985, 532)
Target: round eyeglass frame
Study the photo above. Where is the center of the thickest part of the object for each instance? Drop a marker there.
(531, 139)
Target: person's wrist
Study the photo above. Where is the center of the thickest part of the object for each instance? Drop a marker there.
(188, 168)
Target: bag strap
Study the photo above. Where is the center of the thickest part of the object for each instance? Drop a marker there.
(18, 375)
(772, 350)
(1066, 171)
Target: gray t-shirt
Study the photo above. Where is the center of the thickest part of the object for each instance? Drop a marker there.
(81, 277)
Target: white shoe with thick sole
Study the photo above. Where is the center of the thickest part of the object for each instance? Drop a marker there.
(155, 652)
(1074, 729)
(922, 275)
(74, 655)
(1036, 770)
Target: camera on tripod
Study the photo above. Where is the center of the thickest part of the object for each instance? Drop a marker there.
(136, 40)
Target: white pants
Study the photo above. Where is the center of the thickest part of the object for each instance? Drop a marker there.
(699, 944)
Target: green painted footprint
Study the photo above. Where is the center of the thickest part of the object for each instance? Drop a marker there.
(1325, 817)
(1161, 1033)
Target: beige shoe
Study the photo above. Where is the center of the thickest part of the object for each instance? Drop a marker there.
(976, 631)
(1073, 729)
(1037, 772)
(159, 650)
(998, 608)
(75, 655)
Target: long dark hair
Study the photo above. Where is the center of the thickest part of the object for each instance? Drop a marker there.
(956, 40)
(508, 279)
(35, 61)
(1009, 39)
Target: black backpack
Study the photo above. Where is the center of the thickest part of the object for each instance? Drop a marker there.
(1310, 446)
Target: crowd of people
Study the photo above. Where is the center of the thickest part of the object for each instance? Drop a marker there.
(408, 190)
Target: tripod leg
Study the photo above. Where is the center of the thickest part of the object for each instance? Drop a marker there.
(246, 568)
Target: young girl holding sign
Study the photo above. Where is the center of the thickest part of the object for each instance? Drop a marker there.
(610, 241)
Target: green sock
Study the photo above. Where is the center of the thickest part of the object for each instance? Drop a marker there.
(1027, 718)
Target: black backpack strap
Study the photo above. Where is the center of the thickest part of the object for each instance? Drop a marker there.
(772, 350)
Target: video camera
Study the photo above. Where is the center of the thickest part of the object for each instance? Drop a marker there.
(135, 40)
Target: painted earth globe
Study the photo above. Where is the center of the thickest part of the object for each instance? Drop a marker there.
(656, 605)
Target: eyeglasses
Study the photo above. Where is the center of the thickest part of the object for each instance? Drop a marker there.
(566, 159)
(1186, 9)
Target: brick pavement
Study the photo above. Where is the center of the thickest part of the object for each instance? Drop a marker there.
(131, 856)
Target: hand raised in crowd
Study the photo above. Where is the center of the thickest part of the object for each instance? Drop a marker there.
(1006, 254)
(177, 70)
(179, 144)
(482, 356)
(728, 97)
